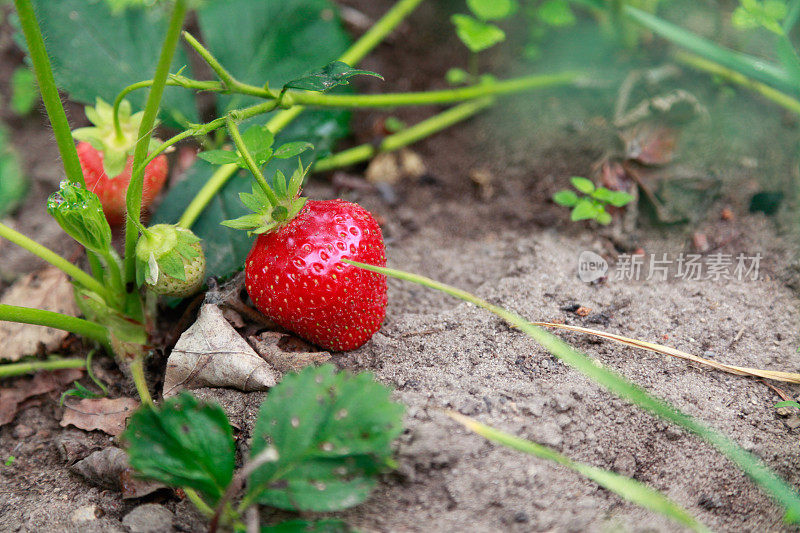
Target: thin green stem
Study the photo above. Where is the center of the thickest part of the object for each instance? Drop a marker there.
(205, 194)
(49, 91)
(445, 96)
(57, 261)
(139, 380)
(700, 63)
(50, 319)
(198, 502)
(236, 137)
(95, 265)
(403, 138)
(31, 367)
(134, 193)
(352, 56)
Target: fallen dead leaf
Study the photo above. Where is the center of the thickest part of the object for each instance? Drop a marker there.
(279, 350)
(107, 415)
(212, 354)
(47, 289)
(650, 143)
(12, 397)
(109, 468)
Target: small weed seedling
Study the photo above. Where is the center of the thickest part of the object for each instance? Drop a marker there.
(478, 33)
(593, 205)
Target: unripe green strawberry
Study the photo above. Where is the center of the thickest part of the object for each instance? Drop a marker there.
(170, 261)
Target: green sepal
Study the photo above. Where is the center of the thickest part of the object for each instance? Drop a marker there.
(103, 136)
(266, 216)
(172, 265)
(166, 249)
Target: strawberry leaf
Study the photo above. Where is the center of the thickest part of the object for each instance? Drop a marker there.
(292, 149)
(219, 157)
(305, 526)
(332, 433)
(183, 443)
(330, 76)
(477, 35)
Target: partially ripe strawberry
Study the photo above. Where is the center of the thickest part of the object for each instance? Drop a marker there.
(106, 157)
(112, 191)
(170, 261)
(295, 276)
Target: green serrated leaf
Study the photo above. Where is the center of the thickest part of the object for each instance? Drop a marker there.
(219, 157)
(183, 443)
(477, 35)
(253, 202)
(492, 9)
(565, 198)
(279, 181)
(331, 75)
(582, 184)
(95, 53)
(293, 149)
(333, 434)
(584, 210)
(24, 92)
(258, 139)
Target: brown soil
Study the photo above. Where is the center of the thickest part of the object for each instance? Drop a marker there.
(514, 248)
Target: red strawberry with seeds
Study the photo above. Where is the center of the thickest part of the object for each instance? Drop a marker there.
(112, 191)
(295, 275)
(105, 152)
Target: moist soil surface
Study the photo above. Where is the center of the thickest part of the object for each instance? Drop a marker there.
(508, 243)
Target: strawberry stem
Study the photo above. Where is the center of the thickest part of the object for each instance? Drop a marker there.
(134, 193)
(31, 367)
(50, 319)
(233, 130)
(404, 137)
(57, 261)
(49, 90)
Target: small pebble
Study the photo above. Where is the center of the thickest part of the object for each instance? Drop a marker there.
(149, 518)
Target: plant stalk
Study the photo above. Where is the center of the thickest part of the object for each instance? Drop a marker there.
(31, 367)
(137, 372)
(134, 193)
(233, 131)
(403, 138)
(49, 90)
(352, 56)
(57, 261)
(776, 96)
(50, 319)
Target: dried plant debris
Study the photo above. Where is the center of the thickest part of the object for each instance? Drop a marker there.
(13, 397)
(286, 353)
(212, 354)
(106, 414)
(47, 289)
(109, 468)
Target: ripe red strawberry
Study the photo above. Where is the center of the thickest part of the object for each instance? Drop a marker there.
(295, 276)
(111, 191)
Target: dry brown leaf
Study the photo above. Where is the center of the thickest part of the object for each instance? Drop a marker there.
(47, 289)
(106, 414)
(12, 397)
(283, 354)
(108, 468)
(212, 354)
(777, 375)
(650, 143)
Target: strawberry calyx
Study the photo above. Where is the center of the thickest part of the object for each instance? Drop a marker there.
(169, 260)
(269, 214)
(115, 145)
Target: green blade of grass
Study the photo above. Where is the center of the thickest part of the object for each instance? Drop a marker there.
(625, 487)
(619, 385)
(752, 67)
